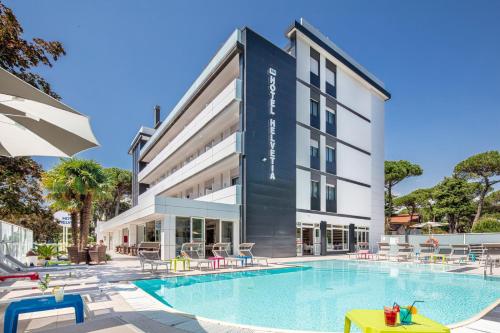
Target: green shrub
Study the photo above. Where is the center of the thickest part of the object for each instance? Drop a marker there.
(108, 257)
(45, 251)
(487, 224)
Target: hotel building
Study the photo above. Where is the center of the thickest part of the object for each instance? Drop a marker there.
(281, 147)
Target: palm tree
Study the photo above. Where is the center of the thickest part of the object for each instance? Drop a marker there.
(63, 197)
(88, 180)
(80, 180)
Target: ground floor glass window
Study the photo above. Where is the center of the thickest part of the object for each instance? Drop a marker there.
(182, 232)
(227, 234)
(361, 234)
(337, 237)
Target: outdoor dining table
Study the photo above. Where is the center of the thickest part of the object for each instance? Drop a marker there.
(16, 308)
(372, 321)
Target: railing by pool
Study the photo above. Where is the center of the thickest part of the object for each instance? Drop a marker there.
(15, 240)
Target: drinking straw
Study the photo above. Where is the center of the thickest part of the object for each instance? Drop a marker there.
(411, 307)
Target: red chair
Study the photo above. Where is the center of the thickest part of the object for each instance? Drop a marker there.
(31, 276)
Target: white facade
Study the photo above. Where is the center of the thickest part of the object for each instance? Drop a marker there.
(359, 144)
(188, 169)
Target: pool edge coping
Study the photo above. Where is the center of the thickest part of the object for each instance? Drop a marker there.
(474, 318)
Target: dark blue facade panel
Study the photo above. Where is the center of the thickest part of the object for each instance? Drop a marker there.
(269, 207)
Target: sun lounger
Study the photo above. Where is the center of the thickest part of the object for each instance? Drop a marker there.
(153, 259)
(426, 251)
(443, 254)
(193, 251)
(492, 256)
(15, 262)
(31, 276)
(220, 250)
(459, 253)
(384, 250)
(476, 253)
(246, 251)
(6, 268)
(405, 252)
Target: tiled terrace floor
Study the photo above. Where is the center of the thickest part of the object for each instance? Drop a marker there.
(117, 306)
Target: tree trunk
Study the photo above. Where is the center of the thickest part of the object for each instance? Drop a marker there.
(81, 228)
(480, 203)
(389, 208)
(117, 207)
(85, 222)
(74, 227)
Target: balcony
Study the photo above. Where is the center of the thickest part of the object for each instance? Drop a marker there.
(231, 146)
(228, 99)
(228, 195)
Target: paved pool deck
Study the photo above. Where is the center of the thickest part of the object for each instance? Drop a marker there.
(115, 305)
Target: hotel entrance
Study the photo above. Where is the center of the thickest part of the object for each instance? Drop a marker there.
(308, 237)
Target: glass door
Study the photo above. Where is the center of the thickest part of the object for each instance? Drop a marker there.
(182, 233)
(197, 230)
(226, 235)
(329, 240)
(212, 235)
(317, 242)
(298, 239)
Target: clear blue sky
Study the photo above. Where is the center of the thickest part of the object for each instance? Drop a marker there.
(439, 59)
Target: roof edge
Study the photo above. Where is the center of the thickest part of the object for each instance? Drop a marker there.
(219, 56)
(319, 38)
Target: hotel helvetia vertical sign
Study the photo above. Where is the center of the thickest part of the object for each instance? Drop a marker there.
(272, 122)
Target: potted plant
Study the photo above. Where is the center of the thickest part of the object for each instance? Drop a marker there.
(31, 258)
(45, 253)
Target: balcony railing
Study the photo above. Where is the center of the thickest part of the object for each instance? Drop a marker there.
(227, 147)
(228, 195)
(231, 93)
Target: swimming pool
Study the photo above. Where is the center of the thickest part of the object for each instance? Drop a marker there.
(316, 295)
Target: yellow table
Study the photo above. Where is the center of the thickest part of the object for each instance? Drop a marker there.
(372, 321)
(184, 261)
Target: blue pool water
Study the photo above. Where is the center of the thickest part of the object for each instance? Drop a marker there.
(316, 295)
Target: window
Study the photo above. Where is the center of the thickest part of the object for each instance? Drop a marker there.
(209, 186)
(235, 181)
(315, 199)
(227, 234)
(339, 238)
(150, 235)
(182, 232)
(330, 77)
(331, 166)
(314, 113)
(329, 239)
(361, 235)
(198, 234)
(314, 66)
(331, 201)
(314, 154)
(331, 123)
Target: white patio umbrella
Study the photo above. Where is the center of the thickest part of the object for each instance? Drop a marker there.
(33, 123)
(429, 224)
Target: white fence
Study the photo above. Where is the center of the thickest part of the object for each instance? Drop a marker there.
(445, 239)
(15, 240)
